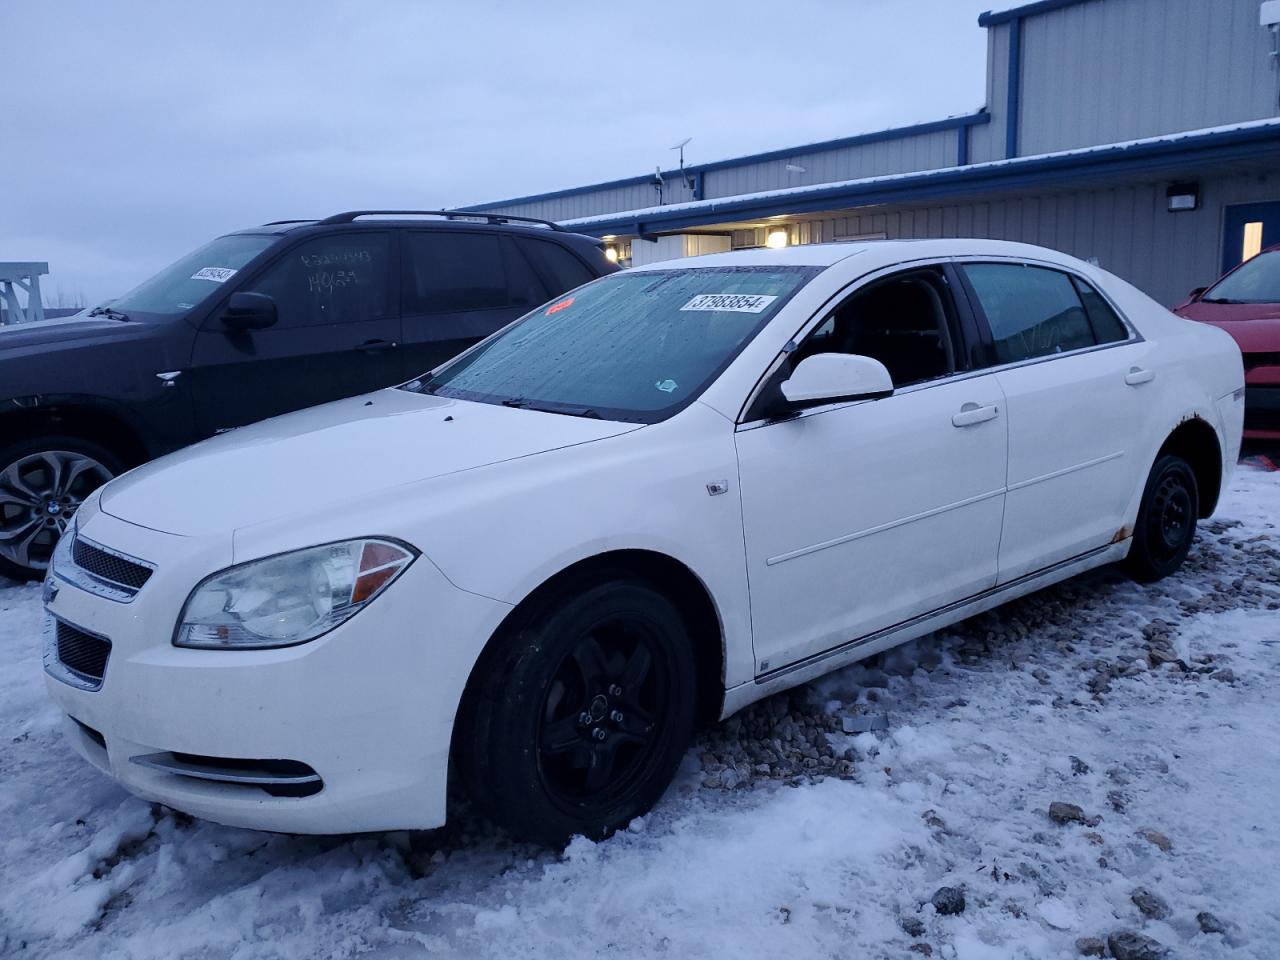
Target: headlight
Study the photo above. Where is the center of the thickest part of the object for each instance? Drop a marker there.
(290, 598)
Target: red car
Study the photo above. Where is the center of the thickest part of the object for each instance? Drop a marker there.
(1246, 303)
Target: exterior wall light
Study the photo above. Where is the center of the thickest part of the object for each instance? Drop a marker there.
(776, 238)
(1183, 197)
(611, 253)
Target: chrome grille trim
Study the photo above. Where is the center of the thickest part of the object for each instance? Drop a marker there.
(101, 570)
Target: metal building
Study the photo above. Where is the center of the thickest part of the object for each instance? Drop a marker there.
(1143, 134)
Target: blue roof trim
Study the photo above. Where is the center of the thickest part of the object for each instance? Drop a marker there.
(896, 133)
(990, 19)
(950, 182)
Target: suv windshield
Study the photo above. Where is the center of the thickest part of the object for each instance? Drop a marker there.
(631, 346)
(1254, 281)
(182, 285)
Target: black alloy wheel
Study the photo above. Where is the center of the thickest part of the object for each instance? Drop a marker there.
(601, 712)
(578, 715)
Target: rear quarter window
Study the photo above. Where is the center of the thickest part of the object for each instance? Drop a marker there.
(559, 268)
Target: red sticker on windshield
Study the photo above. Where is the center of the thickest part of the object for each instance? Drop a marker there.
(557, 307)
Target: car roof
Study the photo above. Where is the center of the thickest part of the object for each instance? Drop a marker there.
(283, 227)
(885, 251)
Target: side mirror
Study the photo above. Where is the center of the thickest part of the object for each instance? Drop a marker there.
(1198, 292)
(829, 377)
(249, 311)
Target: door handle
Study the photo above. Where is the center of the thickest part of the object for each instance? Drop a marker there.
(1137, 376)
(373, 346)
(972, 413)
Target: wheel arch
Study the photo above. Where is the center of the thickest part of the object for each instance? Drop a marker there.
(1196, 441)
(88, 421)
(671, 576)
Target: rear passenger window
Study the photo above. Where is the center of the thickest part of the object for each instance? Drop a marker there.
(447, 271)
(341, 278)
(1032, 312)
(560, 268)
(1107, 327)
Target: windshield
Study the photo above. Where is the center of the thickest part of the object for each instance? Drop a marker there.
(1254, 281)
(631, 346)
(182, 285)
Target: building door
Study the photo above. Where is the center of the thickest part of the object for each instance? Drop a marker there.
(1247, 229)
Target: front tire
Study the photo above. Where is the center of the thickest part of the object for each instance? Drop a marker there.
(580, 713)
(1166, 520)
(42, 484)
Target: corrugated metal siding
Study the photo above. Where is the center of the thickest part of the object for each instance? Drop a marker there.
(1128, 229)
(594, 202)
(1115, 70)
(986, 142)
(930, 151)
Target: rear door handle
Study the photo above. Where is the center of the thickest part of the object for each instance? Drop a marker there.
(972, 413)
(373, 346)
(1137, 376)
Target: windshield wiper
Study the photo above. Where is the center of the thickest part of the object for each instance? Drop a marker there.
(569, 411)
(109, 312)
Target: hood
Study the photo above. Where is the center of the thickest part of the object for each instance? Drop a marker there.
(314, 459)
(79, 326)
(1255, 326)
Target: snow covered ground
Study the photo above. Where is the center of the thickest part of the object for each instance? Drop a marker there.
(1154, 710)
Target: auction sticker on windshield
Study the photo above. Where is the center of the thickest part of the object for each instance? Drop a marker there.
(732, 302)
(216, 274)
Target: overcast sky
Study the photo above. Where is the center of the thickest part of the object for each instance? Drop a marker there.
(134, 132)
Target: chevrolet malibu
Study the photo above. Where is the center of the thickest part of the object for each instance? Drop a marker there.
(660, 497)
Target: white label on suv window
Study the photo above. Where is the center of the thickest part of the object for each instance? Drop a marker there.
(732, 302)
(216, 274)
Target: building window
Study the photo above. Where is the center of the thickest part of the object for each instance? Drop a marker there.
(1252, 240)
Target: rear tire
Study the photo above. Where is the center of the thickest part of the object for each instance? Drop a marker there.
(1166, 520)
(580, 713)
(42, 484)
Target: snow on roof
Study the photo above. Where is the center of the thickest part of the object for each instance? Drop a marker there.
(711, 205)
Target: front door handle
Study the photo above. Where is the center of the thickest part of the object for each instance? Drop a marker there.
(373, 346)
(1137, 376)
(972, 413)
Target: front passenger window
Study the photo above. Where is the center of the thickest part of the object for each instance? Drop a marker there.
(904, 321)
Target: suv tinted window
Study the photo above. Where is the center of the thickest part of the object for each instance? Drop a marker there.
(560, 268)
(341, 278)
(1107, 327)
(446, 271)
(1032, 312)
(524, 287)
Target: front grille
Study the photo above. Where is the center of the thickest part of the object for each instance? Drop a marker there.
(128, 575)
(1255, 360)
(1262, 408)
(82, 653)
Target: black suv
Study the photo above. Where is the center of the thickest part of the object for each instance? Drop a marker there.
(256, 323)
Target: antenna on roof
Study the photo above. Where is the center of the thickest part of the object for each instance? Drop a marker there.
(688, 180)
(657, 182)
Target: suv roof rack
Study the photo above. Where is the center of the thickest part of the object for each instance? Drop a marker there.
(279, 223)
(351, 215)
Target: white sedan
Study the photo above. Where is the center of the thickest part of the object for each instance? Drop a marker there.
(661, 497)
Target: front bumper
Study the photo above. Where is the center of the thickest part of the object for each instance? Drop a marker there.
(369, 707)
